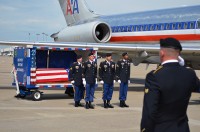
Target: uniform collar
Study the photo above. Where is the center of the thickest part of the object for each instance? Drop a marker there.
(90, 61)
(170, 61)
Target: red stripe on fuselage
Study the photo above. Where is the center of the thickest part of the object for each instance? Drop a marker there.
(188, 37)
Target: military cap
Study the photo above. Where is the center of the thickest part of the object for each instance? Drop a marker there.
(90, 54)
(125, 53)
(79, 56)
(108, 54)
(170, 43)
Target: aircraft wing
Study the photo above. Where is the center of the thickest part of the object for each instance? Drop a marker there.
(138, 52)
(187, 47)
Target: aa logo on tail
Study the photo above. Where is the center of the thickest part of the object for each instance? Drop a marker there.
(72, 7)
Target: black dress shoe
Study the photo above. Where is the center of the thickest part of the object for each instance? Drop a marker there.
(76, 104)
(87, 105)
(109, 105)
(105, 104)
(91, 106)
(121, 104)
(79, 104)
(125, 105)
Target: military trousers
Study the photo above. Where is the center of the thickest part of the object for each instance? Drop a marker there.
(107, 91)
(78, 92)
(90, 89)
(123, 91)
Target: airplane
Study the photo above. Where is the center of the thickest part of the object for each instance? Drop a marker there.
(136, 33)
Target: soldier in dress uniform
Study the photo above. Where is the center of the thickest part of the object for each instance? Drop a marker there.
(90, 79)
(75, 75)
(168, 91)
(123, 76)
(107, 78)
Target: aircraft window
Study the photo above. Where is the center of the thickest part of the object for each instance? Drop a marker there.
(156, 27)
(185, 25)
(179, 25)
(173, 26)
(151, 28)
(136, 28)
(132, 29)
(198, 25)
(146, 28)
(142, 28)
(119, 29)
(192, 25)
(167, 27)
(113, 29)
(122, 29)
(129, 28)
(162, 27)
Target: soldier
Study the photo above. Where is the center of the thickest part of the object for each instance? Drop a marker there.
(123, 76)
(75, 75)
(90, 79)
(107, 78)
(168, 91)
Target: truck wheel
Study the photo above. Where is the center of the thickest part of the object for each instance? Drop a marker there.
(36, 95)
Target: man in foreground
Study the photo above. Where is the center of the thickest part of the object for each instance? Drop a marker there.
(167, 92)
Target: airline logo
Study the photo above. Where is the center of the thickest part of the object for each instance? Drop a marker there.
(72, 7)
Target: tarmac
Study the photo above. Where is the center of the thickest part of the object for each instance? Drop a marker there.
(56, 111)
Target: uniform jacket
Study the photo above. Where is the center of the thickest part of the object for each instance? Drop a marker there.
(75, 73)
(167, 93)
(90, 72)
(123, 70)
(107, 72)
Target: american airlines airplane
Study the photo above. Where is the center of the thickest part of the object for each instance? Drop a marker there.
(136, 33)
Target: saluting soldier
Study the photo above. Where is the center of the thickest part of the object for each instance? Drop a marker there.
(123, 76)
(107, 78)
(167, 92)
(75, 75)
(90, 76)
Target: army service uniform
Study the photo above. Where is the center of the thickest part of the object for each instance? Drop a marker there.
(107, 74)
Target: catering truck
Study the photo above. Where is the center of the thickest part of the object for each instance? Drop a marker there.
(36, 68)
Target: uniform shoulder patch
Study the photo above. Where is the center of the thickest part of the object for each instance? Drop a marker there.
(160, 67)
(146, 90)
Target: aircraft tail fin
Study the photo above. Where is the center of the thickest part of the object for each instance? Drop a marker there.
(76, 11)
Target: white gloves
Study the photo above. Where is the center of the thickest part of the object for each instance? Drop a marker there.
(96, 81)
(84, 82)
(181, 61)
(72, 82)
(102, 82)
(114, 81)
(119, 81)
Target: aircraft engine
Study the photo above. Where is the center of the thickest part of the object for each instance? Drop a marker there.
(93, 32)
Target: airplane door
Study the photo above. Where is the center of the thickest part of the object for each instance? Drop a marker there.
(198, 26)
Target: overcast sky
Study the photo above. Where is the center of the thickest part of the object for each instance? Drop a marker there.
(18, 18)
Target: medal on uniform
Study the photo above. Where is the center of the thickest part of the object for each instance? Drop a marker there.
(77, 67)
(113, 66)
(89, 65)
(122, 65)
(105, 66)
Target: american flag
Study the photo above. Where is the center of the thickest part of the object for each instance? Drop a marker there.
(49, 75)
